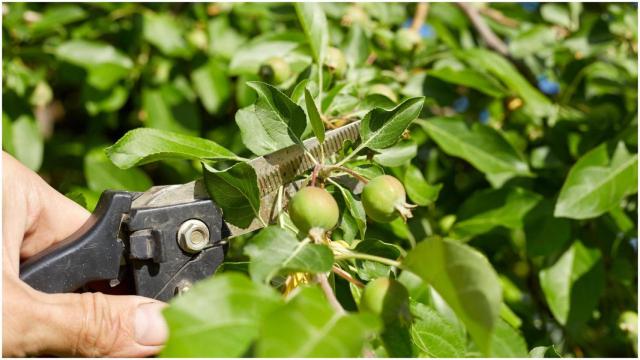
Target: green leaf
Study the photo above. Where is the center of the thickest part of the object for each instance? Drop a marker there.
(434, 335)
(369, 270)
(28, 145)
(314, 116)
(355, 209)
(314, 24)
(212, 85)
(276, 251)
(89, 54)
(489, 208)
(470, 78)
(218, 317)
(556, 14)
(224, 41)
(235, 190)
(307, 326)
(285, 110)
(382, 128)
(58, 16)
(544, 352)
(145, 145)
(102, 175)
(104, 101)
(465, 280)
(162, 31)
(545, 233)
(397, 155)
(496, 65)
(248, 58)
(168, 108)
(103, 62)
(261, 130)
(418, 189)
(597, 183)
(538, 39)
(482, 146)
(507, 342)
(573, 284)
(356, 49)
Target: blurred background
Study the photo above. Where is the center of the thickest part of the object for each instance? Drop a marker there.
(77, 76)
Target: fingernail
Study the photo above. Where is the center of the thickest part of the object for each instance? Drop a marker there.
(151, 329)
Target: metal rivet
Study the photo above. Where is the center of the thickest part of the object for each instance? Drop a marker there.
(193, 236)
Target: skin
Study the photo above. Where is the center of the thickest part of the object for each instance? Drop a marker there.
(313, 207)
(381, 196)
(34, 217)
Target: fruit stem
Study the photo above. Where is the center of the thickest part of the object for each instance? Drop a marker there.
(280, 219)
(348, 171)
(371, 258)
(306, 152)
(328, 292)
(345, 275)
(314, 174)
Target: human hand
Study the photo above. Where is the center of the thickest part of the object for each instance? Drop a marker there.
(34, 217)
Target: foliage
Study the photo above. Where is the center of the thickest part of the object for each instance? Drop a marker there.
(521, 155)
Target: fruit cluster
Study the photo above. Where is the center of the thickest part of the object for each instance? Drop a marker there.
(383, 199)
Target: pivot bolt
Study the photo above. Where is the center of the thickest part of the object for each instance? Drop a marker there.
(193, 236)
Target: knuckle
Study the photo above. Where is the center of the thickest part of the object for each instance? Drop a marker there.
(101, 328)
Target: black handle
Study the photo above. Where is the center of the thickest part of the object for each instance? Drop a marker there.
(91, 253)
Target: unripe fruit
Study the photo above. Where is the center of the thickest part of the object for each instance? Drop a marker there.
(198, 38)
(385, 297)
(276, 70)
(384, 199)
(313, 207)
(335, 61)
(407, 40)
(383, 38)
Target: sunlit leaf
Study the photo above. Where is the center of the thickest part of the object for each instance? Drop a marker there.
(465, 280)
(308, 326)
(228, 304)
(276, 251)
(597, 183)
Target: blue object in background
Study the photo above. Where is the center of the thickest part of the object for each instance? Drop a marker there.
(547, 86)
(484, 116)
(634, 243)
(530, 6)
(461, 104)
(426, 31)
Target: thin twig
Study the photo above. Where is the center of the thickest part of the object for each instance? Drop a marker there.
(345, 275)
(492, 40)
(328, 292)
(499, 17)
(422, 9)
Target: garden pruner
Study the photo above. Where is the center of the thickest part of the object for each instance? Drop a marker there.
(159, 242)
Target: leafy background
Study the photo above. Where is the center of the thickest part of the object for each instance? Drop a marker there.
(526, 148)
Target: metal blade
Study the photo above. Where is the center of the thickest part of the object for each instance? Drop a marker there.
(273, 170)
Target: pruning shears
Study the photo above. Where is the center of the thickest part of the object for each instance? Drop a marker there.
(158, 243)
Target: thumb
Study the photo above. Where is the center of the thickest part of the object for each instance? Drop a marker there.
(98, 325)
